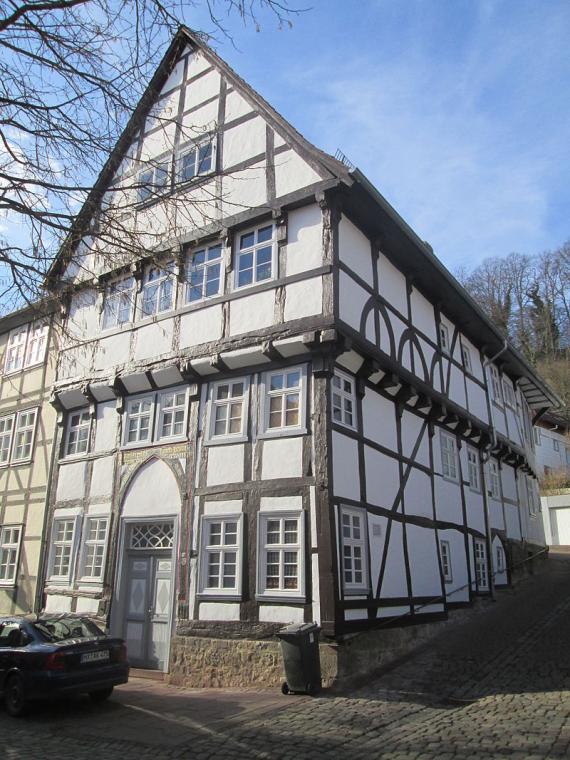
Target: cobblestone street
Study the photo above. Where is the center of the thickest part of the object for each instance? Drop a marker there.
(496, 686)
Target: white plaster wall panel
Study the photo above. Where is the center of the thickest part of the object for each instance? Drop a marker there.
(196, 208)
(201, 326)
(84, 314)
(392, 285)
(346, 478)
(200, 122)
(355, 614)
(225, 464)
(424, 562)
(102, 477)
(236, 106)
(377, 527)
(418, 495)
(281, 503)
(496, 514)
(153, 491)
(272, 613)
(352, 299)
(370, 328)
(155, 223)
(282, 458)
(226, 507)
(499, 419)
(154, 339)
(398, 327)
(175, 77)
(412, 427)
(75, 361)
(112, 351)
(456, 353)
(509, 483)
(197, 63)
(477, 401)
(448, 501)
(457, 590)
(278, 140)
(382, 478)
(457, 386)
(379, 419)
(202, 89)
(244, 189)
(313, 517)
(244, 142)
(106, 430)
(292, 173)
(304, 299)
(252, 312)
(355, 250)
(87, 605)
(393, 612)
(71, 481)
(58, 603)
(103, 508)
(423, 315)
(394, 582)
(162, 141)
(474, 355)
(304, 239)
(427, 353)
(218, 611)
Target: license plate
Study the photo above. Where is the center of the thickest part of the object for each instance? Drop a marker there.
(95, 656)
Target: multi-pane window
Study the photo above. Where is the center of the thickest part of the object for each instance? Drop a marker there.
(555, 444)
(280, 555)
(62, 548)
(138, 427)
(446, 561)
(537, 440)
(24, 435)
(26, 346)
(343, 400)
(444, 338)
(220, 570)
(448, 456)
(119, 302)
(495, 384)
(354, 557)
(78, 427)
(466, 358)
(228, 412)
(473, 468)
(255, 256)
(195, 160)
(6, 430)
(172, 414)
(10, 538)
(509, 393)
(94, 548)
(152, 180)
(494, 481)
(500, 554)
(203, 273)
(158, 290)
(284, 396)
(481, 565)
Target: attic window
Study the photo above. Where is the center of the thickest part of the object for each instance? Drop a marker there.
(151, 181)
(195, 160)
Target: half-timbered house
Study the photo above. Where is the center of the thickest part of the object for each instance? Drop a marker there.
(287, 410)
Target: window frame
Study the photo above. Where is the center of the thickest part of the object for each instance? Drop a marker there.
(445, 554)
(153, 189)
(481, 561)
(194, 146)
(253, 249)
(33, 428)
(351, 587)
(497, 391)
(159, 412)
(445, 436)
(509, 394)
(501, 564)
(167, 274)
(211, 438)
(283, 431)
(466, 358)
(67, 579)
(205, 591)
(537, 435)
(12, 417)
(131, 293)
(262, 592)
(443, 332)
(204, 267)
(139, 397)
(555, 444)
(68, 427)
(473, 467)
(9, 547)
(28, 333)
(156, 414)
(344, 396)
(494, 478)
(87, 542)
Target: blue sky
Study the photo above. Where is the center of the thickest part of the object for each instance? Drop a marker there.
(458, 111)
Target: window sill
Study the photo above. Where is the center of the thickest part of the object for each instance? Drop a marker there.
(275, 599)
(219, 596)
(73, 458)
(448, 479)
(224, 441)
(153, 444)
(8, 584)
(18, 462)
(283, 433)
(361, 591)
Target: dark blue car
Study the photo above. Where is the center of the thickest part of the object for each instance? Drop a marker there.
(57, 655)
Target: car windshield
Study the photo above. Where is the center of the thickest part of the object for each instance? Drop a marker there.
(61, 628)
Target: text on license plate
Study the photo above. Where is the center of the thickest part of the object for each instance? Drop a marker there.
(95, 656)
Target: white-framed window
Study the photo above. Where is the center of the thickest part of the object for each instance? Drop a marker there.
(509, 393)
(500, 558)
(281, 561)
(228, 410)
(77, 434)
(152, 180)
(26, 346)
(473, 468)
(495, 384)
(94, 548)
(481, 565)
(446, 561)
(466, 358)
(555, 444)
(172, 410)
(119, 302)
(10, 541)
(6, 433)
(494, 480)
(343, 399)
(139, 420)
(448, 456)
(284, 401)
(62, 549)
(444, 338)
(204, 273)
(24, 433)
(220, 555)
(256, 256)
(537, 438)
(196, 159)
(353, 534)
(158, 289)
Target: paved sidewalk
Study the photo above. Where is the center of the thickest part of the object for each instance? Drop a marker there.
(498, 686)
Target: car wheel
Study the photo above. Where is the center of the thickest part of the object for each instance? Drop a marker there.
(100, 695)
(15, 697)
